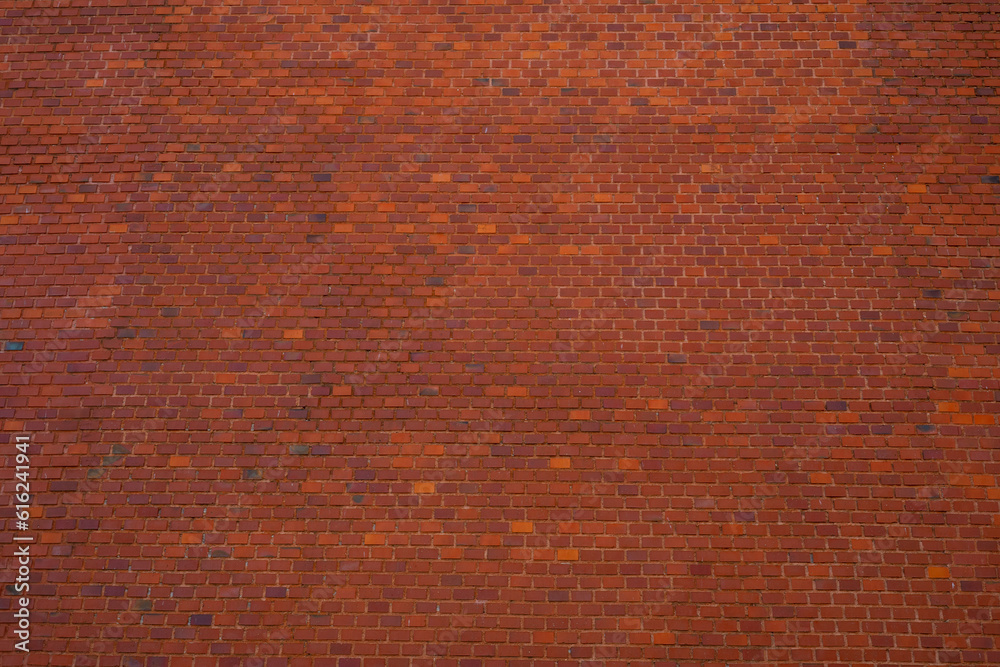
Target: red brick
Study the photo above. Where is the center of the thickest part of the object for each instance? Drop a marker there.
(385, 334)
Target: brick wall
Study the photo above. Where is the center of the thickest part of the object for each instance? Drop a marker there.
(478, 334)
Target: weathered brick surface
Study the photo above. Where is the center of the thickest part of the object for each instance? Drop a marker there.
(530, 333)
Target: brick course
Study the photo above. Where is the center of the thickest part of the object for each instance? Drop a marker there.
(388, 334)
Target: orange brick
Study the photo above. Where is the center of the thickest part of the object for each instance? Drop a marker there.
(400, 278)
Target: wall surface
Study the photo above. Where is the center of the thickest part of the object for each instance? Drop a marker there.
(480, 333)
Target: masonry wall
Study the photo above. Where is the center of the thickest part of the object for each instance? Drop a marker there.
(479, 333)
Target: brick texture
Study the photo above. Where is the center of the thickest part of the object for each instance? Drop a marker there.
(411, 333)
